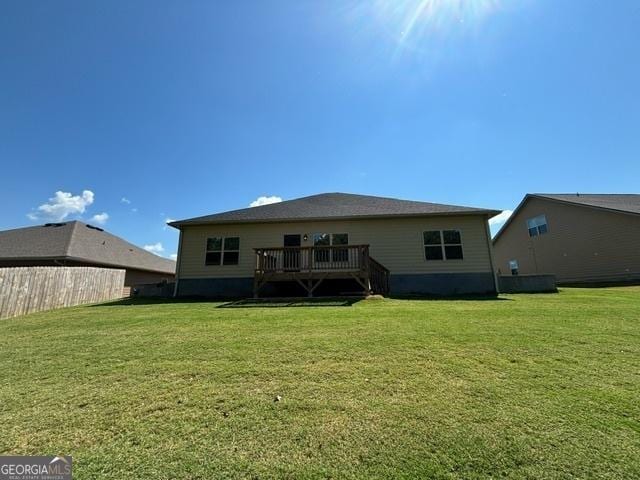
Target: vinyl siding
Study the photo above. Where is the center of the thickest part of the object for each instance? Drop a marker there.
(141, 277)
(583, 244)
(396, 243)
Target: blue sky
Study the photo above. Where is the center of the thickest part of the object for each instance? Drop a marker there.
(162, 110)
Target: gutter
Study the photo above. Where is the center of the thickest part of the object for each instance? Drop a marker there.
(187, 223)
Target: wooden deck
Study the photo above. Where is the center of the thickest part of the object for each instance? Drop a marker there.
(310, 266)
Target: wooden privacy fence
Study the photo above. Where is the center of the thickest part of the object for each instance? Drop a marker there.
(34, 289)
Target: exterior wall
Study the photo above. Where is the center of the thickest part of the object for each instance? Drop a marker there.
(161, 290)
(397, 243)
(527, 284)
(142, 277)
(583, 244)
(443, 284)
(216, 287)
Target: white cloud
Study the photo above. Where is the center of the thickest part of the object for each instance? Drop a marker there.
(501, 218)
(61, 205)
(155, 248)
(265, 201)
(168, 220)
(134, 210)
(173, 256)
(100, 218)
(125, 200)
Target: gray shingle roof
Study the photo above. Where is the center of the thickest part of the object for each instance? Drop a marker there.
(623, 202)
(333, 206)
(78, 241)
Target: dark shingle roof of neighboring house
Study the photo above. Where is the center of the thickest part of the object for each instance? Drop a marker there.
(623, 202)
(80, 242)
(617, 202)
(329, 206)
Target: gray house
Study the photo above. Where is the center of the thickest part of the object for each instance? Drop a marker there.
(357, 243)
(78, 244)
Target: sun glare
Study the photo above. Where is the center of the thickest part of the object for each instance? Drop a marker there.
(409, 21)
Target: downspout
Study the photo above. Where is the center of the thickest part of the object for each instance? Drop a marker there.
(179, 261)
(490, 250)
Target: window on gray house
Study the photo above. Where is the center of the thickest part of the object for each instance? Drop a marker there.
(537, 226)
(222, 251)
(443, 245)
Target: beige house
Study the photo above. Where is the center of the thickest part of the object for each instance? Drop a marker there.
(337, 243)
(581, 238)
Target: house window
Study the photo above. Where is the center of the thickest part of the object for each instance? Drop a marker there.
(537, 226)
(340, 254)
(329, 239)
(443, 245)
(321, 240)
(222, 251)
(513, 266)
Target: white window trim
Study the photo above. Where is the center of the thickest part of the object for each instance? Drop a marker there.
(442, 245)
(537, 225)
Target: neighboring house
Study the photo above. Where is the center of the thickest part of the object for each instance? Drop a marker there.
(380, 245)
(581, 238)
(78, 244)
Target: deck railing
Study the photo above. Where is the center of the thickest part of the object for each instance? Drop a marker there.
(379, 277)
(352, 258)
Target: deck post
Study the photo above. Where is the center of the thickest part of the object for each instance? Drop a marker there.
(258, 272)
(366, 268)
(255, 286)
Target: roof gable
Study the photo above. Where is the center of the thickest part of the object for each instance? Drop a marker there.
(333, 206)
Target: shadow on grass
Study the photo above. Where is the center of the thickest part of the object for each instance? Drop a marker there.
(237, 303)
(450, 298)
(292, 302)
(612, 284)
(155, 301)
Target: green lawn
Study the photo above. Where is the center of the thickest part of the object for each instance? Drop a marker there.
(527, 386)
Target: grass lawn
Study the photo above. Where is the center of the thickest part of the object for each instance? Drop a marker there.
(527, 386)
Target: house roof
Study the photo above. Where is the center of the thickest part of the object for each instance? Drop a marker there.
(329, 206)
(81, 242)
(623, 202)
(617, 202)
